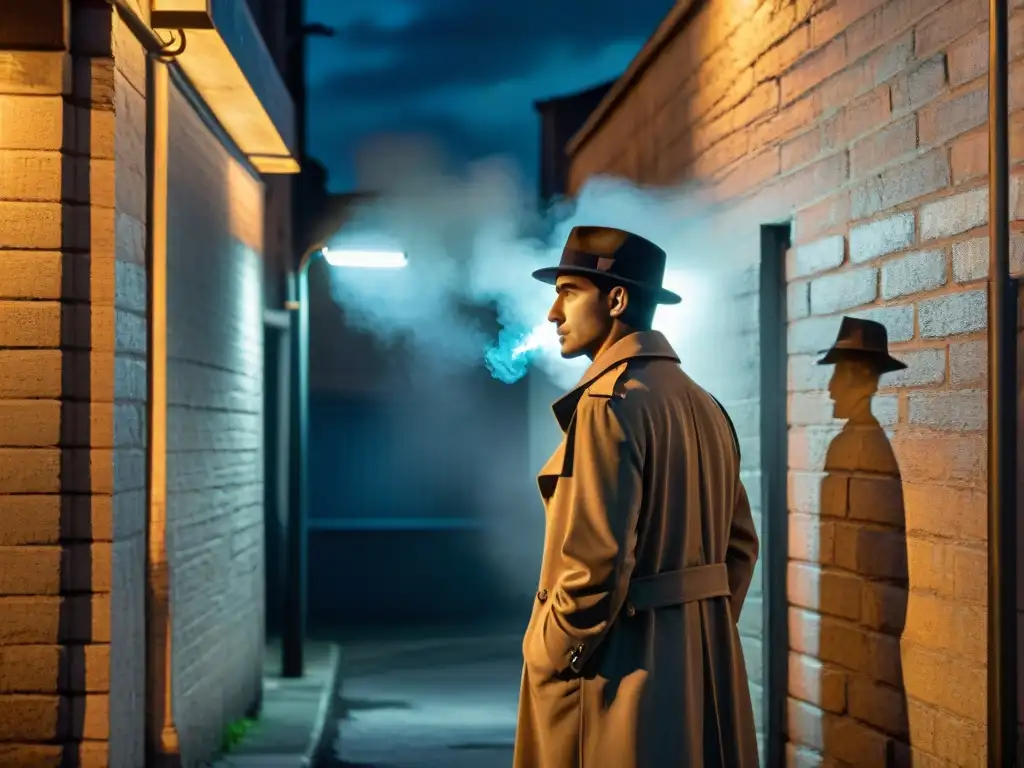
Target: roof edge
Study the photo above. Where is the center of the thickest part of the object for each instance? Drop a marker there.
(540, 104)
(669, 27)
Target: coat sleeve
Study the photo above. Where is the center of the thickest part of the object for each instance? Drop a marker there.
(741, 555)
(600, 534)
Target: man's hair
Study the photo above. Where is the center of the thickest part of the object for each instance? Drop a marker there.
(639, 313)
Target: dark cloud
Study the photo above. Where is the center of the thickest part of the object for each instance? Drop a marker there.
(464, 72)
(470, 42)
(461, 140)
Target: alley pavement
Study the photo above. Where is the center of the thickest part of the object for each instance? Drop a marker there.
(438, 702)
(292, 719)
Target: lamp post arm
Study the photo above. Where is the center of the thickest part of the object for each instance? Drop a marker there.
(307, 258)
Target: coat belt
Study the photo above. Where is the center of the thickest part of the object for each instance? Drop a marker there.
(689, 585)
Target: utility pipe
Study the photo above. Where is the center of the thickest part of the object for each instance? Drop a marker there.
(293, 636)
(156, 47)
(1002, 413)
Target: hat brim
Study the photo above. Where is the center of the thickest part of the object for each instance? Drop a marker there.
(660, 295)
(885, 363)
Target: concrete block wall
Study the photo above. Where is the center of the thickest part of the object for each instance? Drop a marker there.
(863, 123)
(215, 432)
(72, 394)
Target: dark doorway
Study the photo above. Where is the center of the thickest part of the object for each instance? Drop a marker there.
(276, 340)
(775, 241)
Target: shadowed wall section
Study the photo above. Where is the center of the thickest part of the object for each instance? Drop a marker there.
(214, 443)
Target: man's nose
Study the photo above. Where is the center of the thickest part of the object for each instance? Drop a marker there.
(555, 313)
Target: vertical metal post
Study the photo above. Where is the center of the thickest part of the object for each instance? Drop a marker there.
(774, 504)
(294, 632)
(293, 617)
(1002, 414)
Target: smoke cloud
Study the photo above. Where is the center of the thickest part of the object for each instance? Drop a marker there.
(473, 239)
(469, 445)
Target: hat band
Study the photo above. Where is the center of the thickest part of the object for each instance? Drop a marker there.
(606, 264)
(859, 344)
(573, 258)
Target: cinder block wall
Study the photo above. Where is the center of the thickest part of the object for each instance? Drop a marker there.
(863, 122)
(72, 390)
(215, 432)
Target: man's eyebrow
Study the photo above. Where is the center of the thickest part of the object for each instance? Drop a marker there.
(566, 285)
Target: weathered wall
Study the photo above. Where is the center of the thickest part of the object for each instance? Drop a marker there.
(214, 442)
(72, 389)
(863, 122)
(73, 403)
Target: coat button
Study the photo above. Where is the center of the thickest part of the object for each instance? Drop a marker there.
(542, 595)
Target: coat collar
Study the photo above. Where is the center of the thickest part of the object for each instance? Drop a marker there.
(639, 344)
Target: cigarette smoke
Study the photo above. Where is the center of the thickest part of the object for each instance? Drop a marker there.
(473, 239)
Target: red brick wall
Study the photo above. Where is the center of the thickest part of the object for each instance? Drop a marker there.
(863, 122)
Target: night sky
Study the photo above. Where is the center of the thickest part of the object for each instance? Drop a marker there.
(464, 72)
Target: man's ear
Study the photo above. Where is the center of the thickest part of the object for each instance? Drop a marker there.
(618, 300)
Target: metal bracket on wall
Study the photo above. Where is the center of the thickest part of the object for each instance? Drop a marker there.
(165, 51)
(277, 318)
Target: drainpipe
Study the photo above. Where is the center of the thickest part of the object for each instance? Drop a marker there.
(156, 48)
(1002, 413)
(161, 735)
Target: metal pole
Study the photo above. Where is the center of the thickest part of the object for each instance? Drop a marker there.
(294, 634)
(775, 241)
(1002, 414)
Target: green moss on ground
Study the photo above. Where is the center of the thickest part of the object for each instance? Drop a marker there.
(234, 733)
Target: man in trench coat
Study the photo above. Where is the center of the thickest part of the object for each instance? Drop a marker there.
(632, 657)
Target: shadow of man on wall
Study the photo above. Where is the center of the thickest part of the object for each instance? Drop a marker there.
(862, 491)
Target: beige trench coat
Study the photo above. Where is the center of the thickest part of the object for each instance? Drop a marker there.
(632, 658)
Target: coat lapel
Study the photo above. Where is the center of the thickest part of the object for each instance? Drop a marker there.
(642, 344)
(547, 480)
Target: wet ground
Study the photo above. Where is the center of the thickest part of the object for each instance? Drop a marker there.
(443, 702)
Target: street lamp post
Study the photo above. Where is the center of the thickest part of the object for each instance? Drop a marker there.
(294, 631)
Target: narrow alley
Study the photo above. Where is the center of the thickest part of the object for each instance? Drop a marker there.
(425, 703)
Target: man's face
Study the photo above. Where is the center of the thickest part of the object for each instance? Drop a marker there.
(582, 315)
(851, 387)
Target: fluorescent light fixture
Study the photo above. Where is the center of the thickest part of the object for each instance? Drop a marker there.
(356, 259)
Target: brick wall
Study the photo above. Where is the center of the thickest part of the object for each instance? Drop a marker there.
(72, 394)
(863, 122)
(214, 441)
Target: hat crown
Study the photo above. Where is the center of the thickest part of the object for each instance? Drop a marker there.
(861, 334)
(603, 241)
(862, 339)
(615, 252)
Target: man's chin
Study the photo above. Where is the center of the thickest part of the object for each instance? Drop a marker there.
(570, 353)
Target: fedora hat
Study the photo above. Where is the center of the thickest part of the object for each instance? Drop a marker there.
(866, 340)
(614, 254)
